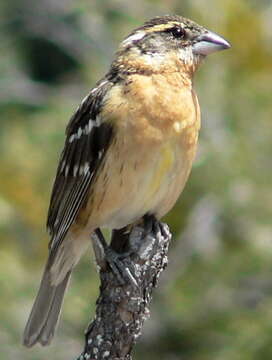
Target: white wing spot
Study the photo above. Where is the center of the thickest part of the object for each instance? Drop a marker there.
(81, 170)
(93, 90)
(87, 129)
(71, 138)
(62, 166)
(102, 83)
(98, 121)
(86, 168)
(83, 101)
(79, 132)
(90, 125)
(75, 170)
(66, 170)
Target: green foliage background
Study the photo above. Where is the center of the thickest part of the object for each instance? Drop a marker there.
(214, 300)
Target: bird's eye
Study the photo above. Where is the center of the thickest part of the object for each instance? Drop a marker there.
(177, 32)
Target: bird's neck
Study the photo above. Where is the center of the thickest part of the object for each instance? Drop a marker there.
(150, 64)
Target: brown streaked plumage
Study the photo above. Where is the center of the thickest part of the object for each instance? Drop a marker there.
(128, 152)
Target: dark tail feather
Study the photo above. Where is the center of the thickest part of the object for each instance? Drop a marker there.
(45, 313)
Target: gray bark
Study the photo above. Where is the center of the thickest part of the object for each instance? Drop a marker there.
(121, 309)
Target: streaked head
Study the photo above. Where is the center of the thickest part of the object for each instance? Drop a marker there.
(172, 36)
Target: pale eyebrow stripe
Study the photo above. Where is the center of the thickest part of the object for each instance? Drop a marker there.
(141, 33)
(135, 37)
(162, 27)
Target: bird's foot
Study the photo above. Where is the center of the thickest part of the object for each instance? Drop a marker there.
(106, 256)
(126, 244)
(143, 237)
(154, 227)
(119, 266)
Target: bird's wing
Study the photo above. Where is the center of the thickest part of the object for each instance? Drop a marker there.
(87, 140)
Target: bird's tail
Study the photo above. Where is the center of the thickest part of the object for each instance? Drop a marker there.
(45, 312)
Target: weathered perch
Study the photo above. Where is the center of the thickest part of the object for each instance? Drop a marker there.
(122, 309)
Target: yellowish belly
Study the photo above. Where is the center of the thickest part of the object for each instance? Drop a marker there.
(169, 181)
(146, 182)
(160, 177)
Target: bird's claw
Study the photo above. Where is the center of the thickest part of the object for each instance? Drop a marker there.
(107, 257)
(117, 263)
(137, 242)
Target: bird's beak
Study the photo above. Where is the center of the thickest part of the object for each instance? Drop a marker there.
(208, 43)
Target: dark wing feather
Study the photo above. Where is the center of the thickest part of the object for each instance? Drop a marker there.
(87, 141)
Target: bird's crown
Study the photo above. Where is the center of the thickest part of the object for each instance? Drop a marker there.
(167, 40)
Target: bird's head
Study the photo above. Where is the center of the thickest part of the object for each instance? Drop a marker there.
(168, 42)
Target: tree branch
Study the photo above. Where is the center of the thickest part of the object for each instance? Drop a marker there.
(122, 309)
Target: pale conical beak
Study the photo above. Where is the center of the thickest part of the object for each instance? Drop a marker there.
(208, 43)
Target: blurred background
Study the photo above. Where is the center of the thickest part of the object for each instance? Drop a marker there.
(214, 301)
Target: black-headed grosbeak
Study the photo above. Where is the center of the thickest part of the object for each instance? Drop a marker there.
(128, 152)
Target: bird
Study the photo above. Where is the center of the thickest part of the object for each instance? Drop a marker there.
(128, 151)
